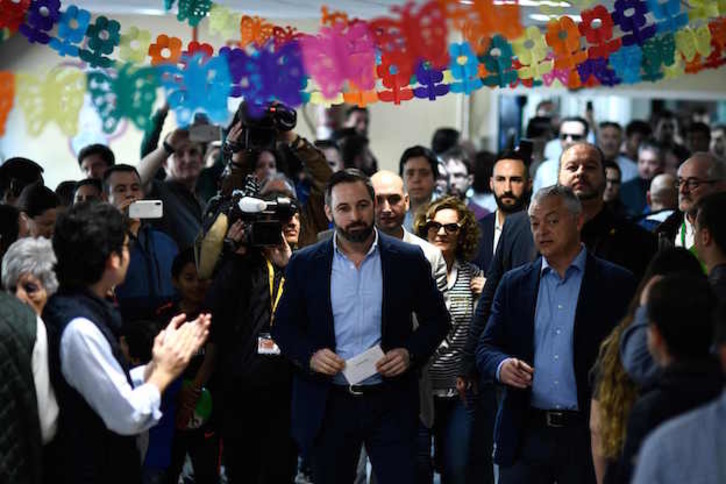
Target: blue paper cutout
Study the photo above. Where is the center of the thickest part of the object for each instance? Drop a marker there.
(669, 14)
(468, 72)
(627, 62)
(69, 36)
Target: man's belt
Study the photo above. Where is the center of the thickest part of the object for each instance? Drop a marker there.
(556, 418)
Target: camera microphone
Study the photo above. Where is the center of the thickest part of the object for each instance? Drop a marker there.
(252, 205)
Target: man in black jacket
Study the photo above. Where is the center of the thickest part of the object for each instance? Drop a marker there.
(605, 235)
(680, 336)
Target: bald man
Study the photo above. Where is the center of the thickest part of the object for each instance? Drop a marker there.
(700, 175)
(662, 199)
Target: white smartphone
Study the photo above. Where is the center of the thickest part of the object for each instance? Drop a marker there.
(204, 133)
(146, 209)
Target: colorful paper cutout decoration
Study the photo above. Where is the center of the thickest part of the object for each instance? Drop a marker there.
(690, 42)
(194, 48)
(103, 37)
(678, 69)
(130, 93)
(635, 24)
(718, 31)
(192, 11)
(561, 75)
(134, 45)
(657, 52)
(338, 54)
(254, 30)
(599, 68)
(317, 98)
(168, 4)
(166, 50)
(705, 9)
(531, 51)
(414, 35)
(332, 18)
(716, 59)
(502, 18)
(394, 71)
(13, 13)
(586, 72)
(431, 80)
(57, 98)
(7, 97)
(238, 63)
(464, 69)
(597, 27)
(202, 86)
(223, 22)
(41, 16)
(626, 62)
(695, 65)
(71, 31)
(284, 35)
(669, 15)
(360, 98)
(564, 38)
(498, 63)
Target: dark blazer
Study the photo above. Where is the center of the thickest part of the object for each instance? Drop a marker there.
(304, 322)
(486, 242)
(604, 295)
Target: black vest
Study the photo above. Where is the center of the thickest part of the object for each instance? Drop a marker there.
(85, 450)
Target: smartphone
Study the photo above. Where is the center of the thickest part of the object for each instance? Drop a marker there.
(146, 209)
(204, 133)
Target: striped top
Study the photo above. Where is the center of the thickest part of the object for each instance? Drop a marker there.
(446, 359)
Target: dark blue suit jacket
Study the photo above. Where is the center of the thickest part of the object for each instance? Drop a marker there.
(604, 296)
(486, 242)
(304, 322)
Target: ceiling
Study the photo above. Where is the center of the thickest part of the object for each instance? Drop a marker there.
(310, 9)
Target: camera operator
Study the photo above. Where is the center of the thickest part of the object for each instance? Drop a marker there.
(253, 379)
(249, 137)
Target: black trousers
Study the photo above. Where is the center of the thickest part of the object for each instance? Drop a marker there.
(385, 422)
(550, 455)
(202, 445)
(257, 444)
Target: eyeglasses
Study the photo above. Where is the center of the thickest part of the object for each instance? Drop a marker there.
(434, 228)
(28, 287)
(691, 183)
(573, 137)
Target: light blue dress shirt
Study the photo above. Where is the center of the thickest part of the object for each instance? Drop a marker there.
(554, 385)
(356, 295)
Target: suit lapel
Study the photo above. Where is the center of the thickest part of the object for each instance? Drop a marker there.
(388, 274)
(324, 264)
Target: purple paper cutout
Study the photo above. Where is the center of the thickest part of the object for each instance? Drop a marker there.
(635, 24)
(42, 15)
(431, 82)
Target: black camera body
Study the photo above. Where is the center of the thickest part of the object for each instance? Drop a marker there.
(263, 219)
(260, 131)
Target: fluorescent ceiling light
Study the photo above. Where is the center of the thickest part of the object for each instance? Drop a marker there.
(541, 17)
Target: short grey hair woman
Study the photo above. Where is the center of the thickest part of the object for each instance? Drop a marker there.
(28, 271)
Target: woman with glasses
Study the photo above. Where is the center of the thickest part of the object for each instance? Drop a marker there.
(451, 227)
(27, 271)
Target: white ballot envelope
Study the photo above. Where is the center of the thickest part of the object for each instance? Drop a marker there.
(363, 365)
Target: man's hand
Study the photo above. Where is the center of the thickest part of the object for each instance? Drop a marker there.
(326, 362)
(174, 347)
(393, 363)
(177, 137)
(516, 373)
(280, 254)
(236, 233)
(477, 284)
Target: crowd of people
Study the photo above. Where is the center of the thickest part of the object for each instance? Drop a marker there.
(289, 312)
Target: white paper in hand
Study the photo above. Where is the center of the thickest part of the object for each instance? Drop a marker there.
(362, 366)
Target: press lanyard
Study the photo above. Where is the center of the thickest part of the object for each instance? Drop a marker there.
(683, 235)
(274, 301)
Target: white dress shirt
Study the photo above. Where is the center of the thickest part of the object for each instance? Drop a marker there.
(88, 365)
(47, 404)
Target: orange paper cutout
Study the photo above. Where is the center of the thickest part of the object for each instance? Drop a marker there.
(165, 44)
(7, 97)
(564, 38)
(254, 30)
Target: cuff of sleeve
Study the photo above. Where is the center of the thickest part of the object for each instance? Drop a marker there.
(137, 375)
(499, 368)
(153, 397)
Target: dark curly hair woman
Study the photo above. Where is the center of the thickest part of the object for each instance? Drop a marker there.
(451, 227)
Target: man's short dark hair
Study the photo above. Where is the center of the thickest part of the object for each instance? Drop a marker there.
(699, 127)
(420, 151)
(351, 147)
(122, 168)
(85, 236)
(36, 199)
(97, 149)
(610, 124)
(638, 126)
(484, 162)
(577, 119)
(324, 144)
(94, 182)
(444, 139)
(710, 215)
(614, 166)
(9, 227)
(458, 154)
(681, 307)
(539, 127)
(349, 175)
(65, 191)
(16, 173)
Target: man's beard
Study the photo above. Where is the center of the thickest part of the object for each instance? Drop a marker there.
(517, 206)
(361, 235)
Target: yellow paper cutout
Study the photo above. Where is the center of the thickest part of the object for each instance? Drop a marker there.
(318, 98)
(223, 21)
(532, 56)
(704, 9)
(57, 98)
(129, 53)
(690, 42)
(678, 69)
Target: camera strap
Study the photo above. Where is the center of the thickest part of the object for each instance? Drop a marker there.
(274, 301)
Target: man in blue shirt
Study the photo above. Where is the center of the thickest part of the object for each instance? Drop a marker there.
(546, 325)
(343, 297)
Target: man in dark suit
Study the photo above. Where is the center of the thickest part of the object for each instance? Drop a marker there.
(342, 298)
(604, 234)
(511, 186)
(547, 322)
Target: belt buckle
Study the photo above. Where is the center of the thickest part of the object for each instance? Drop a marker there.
(352, 390)
(554, 419)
